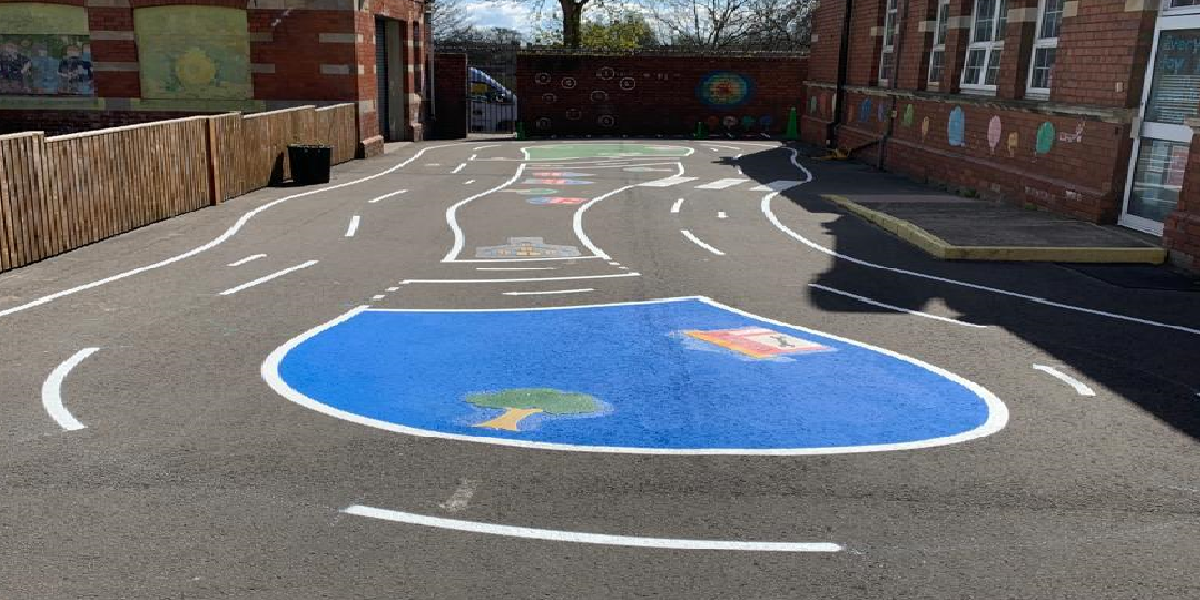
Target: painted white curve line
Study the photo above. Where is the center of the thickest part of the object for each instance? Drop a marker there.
(778, 186)
(472, 158)
(243, 261)
(353, 227)
(697, 241)
(376, 199)
(488, 146)
(452, 215)
(551, 292)
(765, 208)
(265, 278)
(521, 279)
(721, 184)
(269, 371)
(577, 219)
(873, 302)
(678, 205)
(516, 268)
(579, 537)
(52, 391)
(1080, 387)
(668, 181)
(217, 241)
(459, 168)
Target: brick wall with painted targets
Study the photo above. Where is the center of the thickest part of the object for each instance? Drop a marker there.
(654, 94)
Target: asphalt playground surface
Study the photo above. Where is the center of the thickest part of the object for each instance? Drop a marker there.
(379, 389)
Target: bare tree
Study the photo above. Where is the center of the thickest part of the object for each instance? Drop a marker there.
(727, 24)
(572, 18)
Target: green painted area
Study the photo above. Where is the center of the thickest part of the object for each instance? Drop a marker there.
(547, 400)
(1045, 138)
(193, 52)
(36, 18)
(614, 150)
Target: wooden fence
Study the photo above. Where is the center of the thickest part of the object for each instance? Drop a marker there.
(60, 193)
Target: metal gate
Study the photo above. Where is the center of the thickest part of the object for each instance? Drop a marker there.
(381, 78)
(491, 85)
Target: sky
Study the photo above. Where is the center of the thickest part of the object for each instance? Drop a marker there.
(511, 15)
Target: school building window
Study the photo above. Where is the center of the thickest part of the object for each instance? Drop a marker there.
(1045, 46)
(937, 57)
(887, 59)
(987, 45)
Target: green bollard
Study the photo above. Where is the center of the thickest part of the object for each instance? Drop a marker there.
(792, 133)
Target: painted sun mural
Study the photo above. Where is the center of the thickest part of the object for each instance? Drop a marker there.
(193, 52)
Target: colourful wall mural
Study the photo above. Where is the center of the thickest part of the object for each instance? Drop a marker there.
(193, 52)
(44, 50)
(956, 127)
(724, 89)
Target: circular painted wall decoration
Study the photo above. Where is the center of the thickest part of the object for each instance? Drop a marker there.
(549, 98)
(628, 83)
(605, 73)
(599, 96)
(541, 78)
(1045, 138)
(993, 135)
(956, 127)
(543, 123)
(606, 120)
(909, 115)
(574, 114)
(569, 83)
(724, 89)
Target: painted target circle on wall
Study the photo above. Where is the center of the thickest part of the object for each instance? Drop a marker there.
(724, 89)
(628, 83)
(606, 73)
(599, 96)
(549, 98)
(574, 114)
(542, 78)
(543, 123)
(569, 83)
(606, 120)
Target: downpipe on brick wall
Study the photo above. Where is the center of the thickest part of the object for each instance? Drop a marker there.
(839, 94)
(891, 120)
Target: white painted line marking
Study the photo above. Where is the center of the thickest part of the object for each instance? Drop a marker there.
(472, 158)
(996, 420)
(469, 182)
(487, 146)
(461, 497)
(577, 219)
(353, 227)
(765, 207)
(575, 291)
(739, 167)
(721, 184)
(433, 164)
(627, 268)
(386, 196)
(407, 281)
(233, 290)
(615, 264)
(1080, 387)
(459, 168)
(246, 260)
(516, 268)
(378, 297)
(452, 215)
(777, 186)
(873, 302)
(722, 215)
(520, 260)
(393, 288)
(678, 205)
(217, 241)
(714, 149)
(695, 240)
(52, 391)
(668, 181)
(579, 537)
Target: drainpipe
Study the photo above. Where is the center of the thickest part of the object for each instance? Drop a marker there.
(839, 94)
(901, 23)
(430, 62)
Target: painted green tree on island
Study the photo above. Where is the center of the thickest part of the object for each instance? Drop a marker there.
(525, 402)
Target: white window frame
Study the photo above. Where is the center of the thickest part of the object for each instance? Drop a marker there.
(891, 15)
(940, 27)
(989, 48)
(1167, 8)
(1041, 43)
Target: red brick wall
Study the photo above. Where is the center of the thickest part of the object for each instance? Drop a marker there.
(450, 96)
(58, 122)
(1181, 232)
(661, 94)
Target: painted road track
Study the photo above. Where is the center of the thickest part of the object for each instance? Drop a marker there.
(584, 401)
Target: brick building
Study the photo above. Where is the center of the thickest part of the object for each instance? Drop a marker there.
(1082, 107)
(68, 65)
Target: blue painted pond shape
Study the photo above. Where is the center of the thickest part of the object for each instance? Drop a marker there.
(682, 375)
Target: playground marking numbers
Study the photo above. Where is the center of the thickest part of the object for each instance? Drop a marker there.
(668, 181)
(721, 184)
(1080, 387)
(873, 302)
(551, 292)
(695, 240)
(553, 535)
(52, 391)
(353, 227)
(246, 260)
(261, 280)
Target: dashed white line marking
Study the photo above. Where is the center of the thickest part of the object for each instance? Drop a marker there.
(721, 184)
(386, 196)
(261, 280)
(678, 205)
(873, 302)
(516, 268)
(469, 182)
(722, 215)
(695, 240)
(574, 291)
(452, 216)
(615, 264)
(777, 186)
(459, 168)
(433, 164)
(487, 146)
(668, 181)
(353, 227)
(461, 497)
(393, 288)
(52, 391)
(246, 260)
(554, 535)
(1080, 387)
(472, 158)
(520, 260)
(378, 297)
(407, 281)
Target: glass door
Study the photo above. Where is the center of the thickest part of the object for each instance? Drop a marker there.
(1172, 95)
